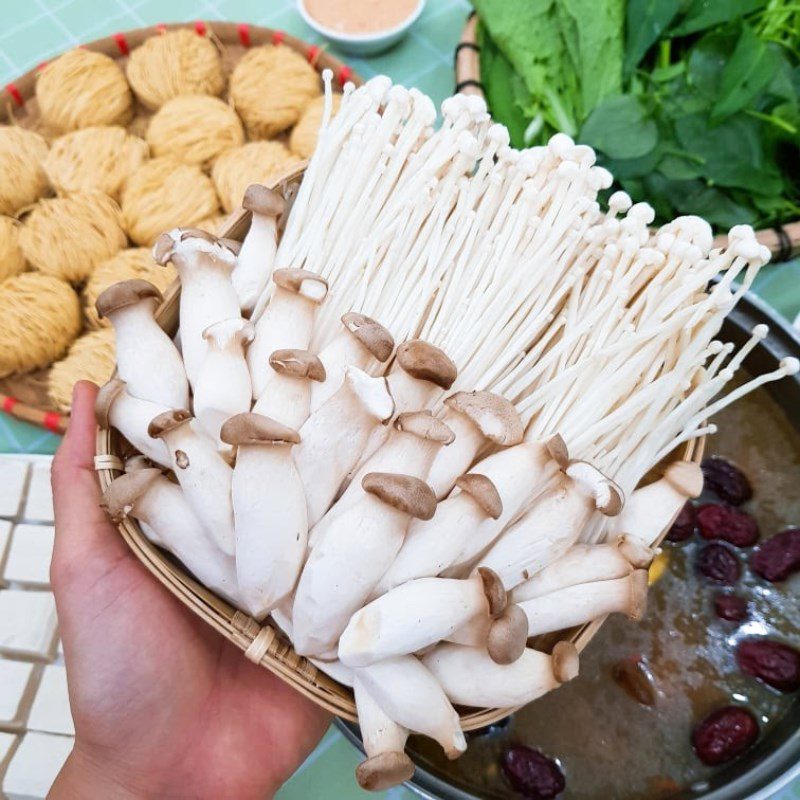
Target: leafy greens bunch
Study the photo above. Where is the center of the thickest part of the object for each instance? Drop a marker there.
(694, 105)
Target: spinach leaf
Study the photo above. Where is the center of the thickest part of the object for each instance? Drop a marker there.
(621, 127)
(646, 22)
(704, 14)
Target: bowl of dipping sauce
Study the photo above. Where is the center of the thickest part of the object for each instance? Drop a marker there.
(361, 27)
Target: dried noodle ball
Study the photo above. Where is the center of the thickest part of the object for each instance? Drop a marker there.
(100, 157)
(135, 262)
(92, 357)
(12, 260)
(215, 224)
(68, 236)
(164, 194)
(255, 162)
(270, 87)
(23, 180)
(174, 63)
(303, 140)
(83, 88)
(194, 128)
(40, 316)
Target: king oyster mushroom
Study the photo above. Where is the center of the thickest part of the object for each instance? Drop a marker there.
(269, 508)
(147, 360)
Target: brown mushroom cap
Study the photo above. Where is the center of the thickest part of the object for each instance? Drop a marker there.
(483, 492)
(105, 399)
(403, 492)
(508, 636)
(494, 590)
(124, 294)
(557, 448)
(493, 415)
(301, 281)
(635, 551)
(164, 247)
(168, 421)
(608, 496)
(565, 662)
(424, 425)
(234, 245)
(250, 429)
(297, 364)
(426, 362)
(122, 494)
(372, 335)
(686, 477)
(384, 771)
(261, 200)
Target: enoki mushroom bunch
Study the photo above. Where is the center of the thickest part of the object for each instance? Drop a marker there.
(412, 430)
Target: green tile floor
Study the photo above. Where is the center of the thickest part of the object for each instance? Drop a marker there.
(35, 30)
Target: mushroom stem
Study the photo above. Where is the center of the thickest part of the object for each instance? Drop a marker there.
(584, 602)
(269, 507)
(332, 439)
(470, 678)
(418, 614)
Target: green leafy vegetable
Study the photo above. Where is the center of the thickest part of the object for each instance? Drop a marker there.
(621, 127)
(704, 14)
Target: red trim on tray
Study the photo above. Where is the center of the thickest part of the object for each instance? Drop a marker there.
(345, 73)
(313, 54)
(41, 67)
(52, 421)
(200, 27)
(122, 43)
(278, 37)
(9, 403)
(161, 27)
(244, 33)
(15, 94)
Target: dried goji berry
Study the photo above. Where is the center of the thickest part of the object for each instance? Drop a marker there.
(778, 557)
(727, 482)
(719, 564)
(727, 523)
(685, 524)
(532, 773)
(774, 663)
(731, 607)
(724, 734)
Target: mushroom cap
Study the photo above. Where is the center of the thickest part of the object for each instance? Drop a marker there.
(508, 636)
(608, 497)
(234, 245)
(105, 399)
(638, 601)
(225, 331)
(494, 590)
(250, 429)
(483, 492)
(302, 282)
(261, 200)
(297, 364)
(424, 425)
(372, 335)
(565, 662)
(138, 462)
(493, 415)
(122, 494)
(164, 247)
(168, 421)
(635, 551)
(124, 294)
(686, 477)
(384, 771)
(403, 492)
(426, 362)
(557, 448)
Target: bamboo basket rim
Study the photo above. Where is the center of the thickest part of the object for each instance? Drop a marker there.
(783, 241)
(265, 644)
(16, 102)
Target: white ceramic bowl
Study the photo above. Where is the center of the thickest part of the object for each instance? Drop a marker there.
(363, 44)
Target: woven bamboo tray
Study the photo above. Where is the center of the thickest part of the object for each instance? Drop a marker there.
(266, 645)
(782, 240)
(25, 396)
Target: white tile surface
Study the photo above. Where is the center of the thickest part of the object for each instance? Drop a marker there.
(12, 482)
(29, 555)
(39, 505)
(50, 712)
(15, 677)
(35, 765)
(27, 623)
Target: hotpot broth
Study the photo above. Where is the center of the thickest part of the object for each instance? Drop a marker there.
(609, 745)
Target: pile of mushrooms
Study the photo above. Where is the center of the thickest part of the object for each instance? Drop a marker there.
(412, 434)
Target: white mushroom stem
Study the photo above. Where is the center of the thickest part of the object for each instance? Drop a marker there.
(418, 614)
(470, 678)
(162, 509)
(269, 507)
(649, 511)
(584, 563)
(223, 387)
(410, 695)
(203, 474)
(332, 439)
(584, 602)
(207, 294)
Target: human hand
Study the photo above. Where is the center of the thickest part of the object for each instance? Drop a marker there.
(163, 705)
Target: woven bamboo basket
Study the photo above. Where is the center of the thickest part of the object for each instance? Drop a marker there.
(782, 240)
(266, 644)
(25, 396)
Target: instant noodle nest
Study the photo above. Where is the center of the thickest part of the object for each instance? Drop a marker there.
(68, 236)
(83, 88)
(254, 162)
(135, 262)
(92, 357)
(270, 87)
(194, 129)
(303, 138)
(101, 157)
(164, 193)
(40, 316)
(175, 63)
(12, 259)
(24, 180)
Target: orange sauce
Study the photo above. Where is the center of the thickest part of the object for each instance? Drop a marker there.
(360, 16)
